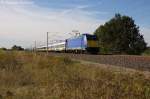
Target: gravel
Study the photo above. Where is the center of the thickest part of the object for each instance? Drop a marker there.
(129, 61)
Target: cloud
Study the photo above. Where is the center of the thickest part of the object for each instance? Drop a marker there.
(25, 23)
(16, 2)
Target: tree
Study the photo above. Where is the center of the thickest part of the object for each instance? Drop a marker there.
(3, 48)
(121, 34)
(18, 48)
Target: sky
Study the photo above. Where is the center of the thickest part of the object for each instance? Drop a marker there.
(22, 22)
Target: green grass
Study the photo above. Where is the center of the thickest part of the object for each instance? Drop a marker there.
(146, 53)
(30, 76)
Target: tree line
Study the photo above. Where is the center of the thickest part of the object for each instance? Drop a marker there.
(13, 48)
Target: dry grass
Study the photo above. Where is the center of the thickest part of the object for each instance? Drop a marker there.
(30, 76)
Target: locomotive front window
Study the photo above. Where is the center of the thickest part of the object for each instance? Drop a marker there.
(91, 37)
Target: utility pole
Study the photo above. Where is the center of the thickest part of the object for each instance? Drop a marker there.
(47, 42)
(35, 46)
(31, 48)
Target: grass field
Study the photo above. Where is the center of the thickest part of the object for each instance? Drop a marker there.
(30, 76)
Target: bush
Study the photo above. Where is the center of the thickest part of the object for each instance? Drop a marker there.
(67, 60)
(104, 51)
(9, 62)
(147, 52)
(17, 48)
(4, 49)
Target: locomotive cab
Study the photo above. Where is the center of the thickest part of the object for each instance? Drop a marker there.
(91, 43)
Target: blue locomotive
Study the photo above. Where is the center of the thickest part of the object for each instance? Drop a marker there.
(85, 43)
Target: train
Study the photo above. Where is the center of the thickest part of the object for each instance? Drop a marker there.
(85, 43)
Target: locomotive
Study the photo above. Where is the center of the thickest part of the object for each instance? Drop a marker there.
(85, 43)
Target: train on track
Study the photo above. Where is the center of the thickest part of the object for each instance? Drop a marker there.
(85, 43)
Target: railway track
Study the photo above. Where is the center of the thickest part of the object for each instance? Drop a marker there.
(128, 61)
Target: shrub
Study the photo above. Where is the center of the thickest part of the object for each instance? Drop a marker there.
(17, 48)
(9, 62)
(67, 60)
(147, 52)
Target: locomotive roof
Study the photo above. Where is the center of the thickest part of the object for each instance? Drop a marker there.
(82, 35)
